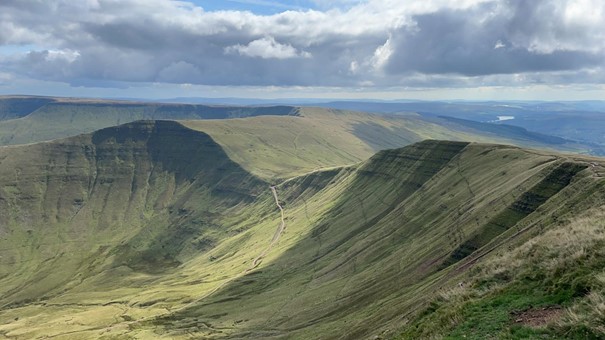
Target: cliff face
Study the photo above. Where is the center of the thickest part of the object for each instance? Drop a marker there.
(67, 199)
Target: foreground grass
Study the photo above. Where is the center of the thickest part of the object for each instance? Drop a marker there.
(563, 268)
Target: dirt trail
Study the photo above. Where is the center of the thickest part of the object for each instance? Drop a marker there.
(260, 257)
(257, 261)
(276, 236)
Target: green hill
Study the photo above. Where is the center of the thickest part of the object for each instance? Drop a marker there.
(155, 230)
(281, 147)
(12, 107)
(272, 142)
(83, 202)
(35, 119)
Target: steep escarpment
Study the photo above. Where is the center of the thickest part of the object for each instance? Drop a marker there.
(115, 195)
(528, 202)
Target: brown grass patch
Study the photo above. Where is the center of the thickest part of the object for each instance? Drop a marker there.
(538, 317)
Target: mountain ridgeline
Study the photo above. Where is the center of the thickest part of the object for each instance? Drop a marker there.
(344, 137)
(151, 230)
(35, 119)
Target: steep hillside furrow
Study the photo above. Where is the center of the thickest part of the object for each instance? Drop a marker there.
(400, 174)
(527, 203)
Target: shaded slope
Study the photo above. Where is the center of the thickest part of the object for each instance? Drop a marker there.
(531, 200)
(549, 286)
(17, 107)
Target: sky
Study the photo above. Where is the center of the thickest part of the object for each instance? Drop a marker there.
(342, 49)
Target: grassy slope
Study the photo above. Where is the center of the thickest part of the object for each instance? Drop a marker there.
(116, 203)
(561, 270)
(362, 247)
(275, 145)
(290, 146)
(376, 249)
(283, 147)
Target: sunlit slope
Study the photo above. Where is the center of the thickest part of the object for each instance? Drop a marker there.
(104, 230)
(374, 245)
(288, 146)
(283, 147)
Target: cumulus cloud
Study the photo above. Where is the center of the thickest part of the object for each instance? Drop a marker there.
(266, 48)
(382, 55)
(446, 41)
(429, 43)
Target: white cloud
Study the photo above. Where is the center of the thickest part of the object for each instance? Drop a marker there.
(66, 55)
(267, 48)
(6, 78)
(347, 43)
(354, 67)
(382, 55)
(499, 44)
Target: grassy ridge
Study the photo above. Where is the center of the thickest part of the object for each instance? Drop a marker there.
(28, 120)
(523, 206)
(378, 249)
(560, 272)
(151, 229)
(277, 142)
(283, 147)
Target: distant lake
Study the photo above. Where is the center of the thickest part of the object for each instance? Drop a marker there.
(503, 118)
